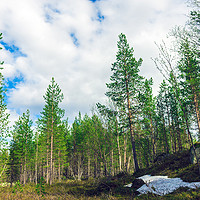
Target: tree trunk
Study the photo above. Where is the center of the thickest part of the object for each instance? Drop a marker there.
(36, 161)
(152, 137)
(104, 164)
(59, 168)
(125, 149)
(170, 128)
(51, 153)
(95, 165)
(130, 117)
(128, 164)
(174, 137)
(119, 153)
(179, 137)
(196, 109)
(24, 170)
(80, 171)
(4, 167)
(25, 158)
(47, 170)
(21, 171)
(103, 158)
(89, 166)
(51, 161)
(112, 163)
(53, 171)
(148, 155)
(165, 136)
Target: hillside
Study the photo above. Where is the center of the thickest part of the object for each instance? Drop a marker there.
(177, 165)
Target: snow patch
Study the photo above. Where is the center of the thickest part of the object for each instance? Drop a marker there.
(129, 185)
(162, 185)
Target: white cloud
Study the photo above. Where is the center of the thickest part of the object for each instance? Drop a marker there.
(14, 116)
(43, 30)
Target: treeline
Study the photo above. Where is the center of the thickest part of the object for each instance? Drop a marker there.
(124, 135)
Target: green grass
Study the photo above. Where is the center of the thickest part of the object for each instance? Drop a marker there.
(111, 188)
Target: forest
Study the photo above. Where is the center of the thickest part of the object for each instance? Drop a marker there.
(124, 135)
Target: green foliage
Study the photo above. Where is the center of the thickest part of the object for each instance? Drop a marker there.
(51, 129)
(89, 137)
(51, 114)
(40, 189)
(124, 87)
(134, 122)
(22, 147)
(125, 76)
(17, 187)
(3, 107)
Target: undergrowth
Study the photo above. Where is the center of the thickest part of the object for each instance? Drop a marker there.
(112, 188)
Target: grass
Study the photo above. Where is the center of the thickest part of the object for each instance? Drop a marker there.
(111, 188)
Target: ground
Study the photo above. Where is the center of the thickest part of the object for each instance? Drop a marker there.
(175, 166)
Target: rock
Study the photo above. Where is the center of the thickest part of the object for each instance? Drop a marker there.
(160, 158)
(192, 156)
(137, 183)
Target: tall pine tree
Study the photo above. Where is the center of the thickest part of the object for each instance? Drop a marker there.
(124, 86)
(49, 123)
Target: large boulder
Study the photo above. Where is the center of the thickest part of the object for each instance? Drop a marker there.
(192, 155)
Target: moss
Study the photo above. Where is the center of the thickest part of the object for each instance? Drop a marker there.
(189, 174)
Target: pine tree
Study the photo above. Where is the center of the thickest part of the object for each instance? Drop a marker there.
(148, 115)
(61, 147)
(49, 123)
(189, 69)
(22, 148)
(79, 147)
(194, 24)
(165, 64)
(124, 86)
(111, 120)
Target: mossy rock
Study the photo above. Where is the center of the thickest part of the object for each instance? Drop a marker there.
(137, 183)
(193, 158)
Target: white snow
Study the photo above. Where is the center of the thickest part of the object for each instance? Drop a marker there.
(162, 185)
(129, 185)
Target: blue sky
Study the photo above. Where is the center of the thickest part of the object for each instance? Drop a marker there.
(94, 0)
(12, 49)
(75, 39)
(76, 42)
